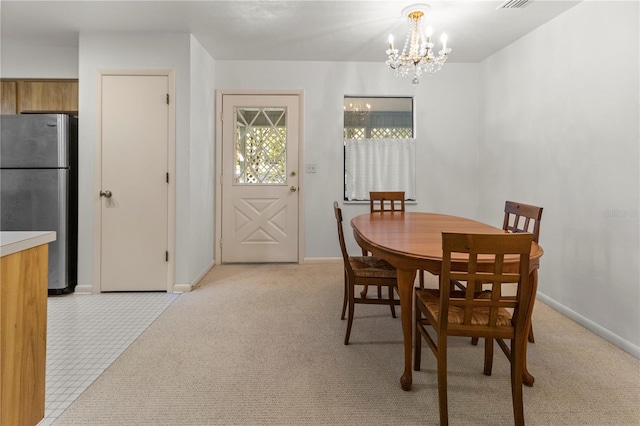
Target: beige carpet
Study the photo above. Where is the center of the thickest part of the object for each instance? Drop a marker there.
(262, 345)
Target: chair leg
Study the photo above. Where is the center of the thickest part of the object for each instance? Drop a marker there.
(453, 284)
(417, 337)
(345, 297)
(363, 293)
(517, 367)
(391, 301)
(530, 337)
(488, 355)
(474, 341)
(350, 313)
(421, 274)
(379, 292)
(442, 379)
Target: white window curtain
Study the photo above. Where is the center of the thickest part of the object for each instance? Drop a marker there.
(379, 165)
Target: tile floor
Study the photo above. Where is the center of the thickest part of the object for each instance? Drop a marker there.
(85, 334)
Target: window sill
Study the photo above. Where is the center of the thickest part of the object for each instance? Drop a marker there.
(366, 202)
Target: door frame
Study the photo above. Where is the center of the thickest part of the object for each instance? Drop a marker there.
(171, 165)
(218, 152)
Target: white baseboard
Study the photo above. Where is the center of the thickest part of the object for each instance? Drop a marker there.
(322, 259)
(204, 272)
(181, 288)
(83, 289)
(184, 288)
(177, 287)
(613, 338)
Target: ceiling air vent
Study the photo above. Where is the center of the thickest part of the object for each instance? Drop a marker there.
(514, 4)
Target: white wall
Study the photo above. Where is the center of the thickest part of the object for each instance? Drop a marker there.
(544, 121)
(447, 127)
(201, 163)
(132, 51)
(195, 97)
(24, 61)
(561, 130)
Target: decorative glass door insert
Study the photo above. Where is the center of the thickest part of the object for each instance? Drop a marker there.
(260, 146)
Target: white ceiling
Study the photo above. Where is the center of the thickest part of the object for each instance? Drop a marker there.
(345, 30)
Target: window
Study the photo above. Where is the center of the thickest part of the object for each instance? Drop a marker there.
(261, 148)
(379, 148)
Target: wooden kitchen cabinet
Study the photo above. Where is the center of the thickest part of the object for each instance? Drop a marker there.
(23, 96)
(23, 328)
(9, 97)
(47, 96)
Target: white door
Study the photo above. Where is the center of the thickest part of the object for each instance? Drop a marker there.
(134, 195)
(260, 178)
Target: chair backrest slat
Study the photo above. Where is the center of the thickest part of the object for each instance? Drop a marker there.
(514, 212)
(485, 255)
(381, 201)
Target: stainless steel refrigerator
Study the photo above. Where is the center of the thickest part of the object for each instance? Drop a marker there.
(39, 186)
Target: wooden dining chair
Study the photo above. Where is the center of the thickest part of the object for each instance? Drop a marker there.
(519, 217)
(363, 270)
(475, 313)
(386, 201)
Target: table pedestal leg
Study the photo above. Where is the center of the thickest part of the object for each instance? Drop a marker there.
(527, 378)
(405, 291)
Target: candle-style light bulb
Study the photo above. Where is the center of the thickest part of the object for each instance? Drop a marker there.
(428, 33)
(390, 41)
(444, 41)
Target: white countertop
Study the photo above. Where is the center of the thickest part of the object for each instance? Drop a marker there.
(15, 241)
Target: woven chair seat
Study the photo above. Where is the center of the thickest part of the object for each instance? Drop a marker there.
(371, 266)
(479, 316)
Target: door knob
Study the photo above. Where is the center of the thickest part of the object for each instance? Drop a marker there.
(293, 189)
(106, 194)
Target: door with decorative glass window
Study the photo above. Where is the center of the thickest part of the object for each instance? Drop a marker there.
(260, 221)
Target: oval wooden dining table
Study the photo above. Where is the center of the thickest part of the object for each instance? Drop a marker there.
(412, 241)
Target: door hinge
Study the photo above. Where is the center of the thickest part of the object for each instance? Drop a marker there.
(167, 177)
(220, 242)
(166, 256)
(167, 99)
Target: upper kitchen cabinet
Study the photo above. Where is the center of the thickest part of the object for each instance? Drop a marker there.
(9, 97)
(41, 96)
(47, 96)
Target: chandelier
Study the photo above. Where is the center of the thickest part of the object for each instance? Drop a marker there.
(417, 56)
